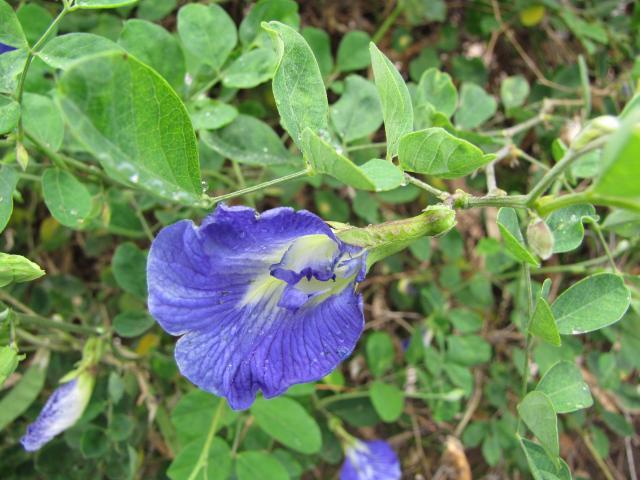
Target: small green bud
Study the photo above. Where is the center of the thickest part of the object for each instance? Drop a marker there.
(16, 268)
(22, 156)
(595, 129)
(540, 238)
(385, 239)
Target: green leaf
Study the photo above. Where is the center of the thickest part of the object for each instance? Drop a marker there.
(388, 400)
(514, 91)
(543, 324)
(217, 461)
(67, 198)
(250, 69)
(248, 140)
(43, 120)
(9, 114)
(207, 32)
(155, 47)
(509, 227)
(23, 394)
(566, 226)
(358, 112)
(209, 114)
(383, 174)
(132, 324)
(437, 89)
(376, 174)
(61, 52)
(353, 51)
(252, 465)
(35, 20)
(298, 87)
(94, 442)
(155, 10)
(11, 65)
(434, 151)
(380, 353)
(132, 121)
(193, 416)
(468, 350)
(287, 422)
(10, 29)
(94, 4)
(620, 167)
(285, 11)
(129, 265)
(17, 269)
(476, 107)
(591, 304)
(9, 359)
(536, 410)
(397, 109)
(542, 468)
(320, 44)
(566, 389)
(8, 181)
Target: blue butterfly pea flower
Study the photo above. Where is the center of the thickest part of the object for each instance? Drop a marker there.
(62, 410)
(6, 48)
(370, 460)
(261, 302)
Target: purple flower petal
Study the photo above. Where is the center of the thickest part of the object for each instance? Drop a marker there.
(4, 48)
(262, 301)
(372, 460)
(62, 410)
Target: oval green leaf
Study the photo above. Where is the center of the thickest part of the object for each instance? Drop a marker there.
(591, 304)
(298, 87)
(286, 421)
(434, 151)
(536, 410)
(133, 122)
(388, 400)
(565, 387)
(67, 199)
(252, 465)
(397, 109)
(509, 227)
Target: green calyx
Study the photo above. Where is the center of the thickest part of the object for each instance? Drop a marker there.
(385, 239)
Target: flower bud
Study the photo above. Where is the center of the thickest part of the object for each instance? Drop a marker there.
(16, 268)
(595, 129)
(540, 238)
(385, 239)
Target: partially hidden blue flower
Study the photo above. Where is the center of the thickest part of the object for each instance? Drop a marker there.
(261, 302)
(4, 48)
(62, 410)
(370, 460)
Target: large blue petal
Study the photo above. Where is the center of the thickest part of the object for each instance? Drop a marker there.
(252, 349)
(215, 285)
(371, 460)
(6, 48)
(196, 274)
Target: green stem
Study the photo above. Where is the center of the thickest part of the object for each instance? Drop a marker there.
(38, 321)
(546, 205)
(260, 186)
(386, 25)
(366, 146)
(527, 342)
(203, 460)
(569, 157)
(516, 201)
(596, 228)
(442, 195)
(32, 52)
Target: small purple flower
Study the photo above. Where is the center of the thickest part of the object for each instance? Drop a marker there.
(6, 48)
(262, 302)
(372, 460)
(62, 410)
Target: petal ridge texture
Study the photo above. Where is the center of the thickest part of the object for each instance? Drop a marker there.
(261, 301)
